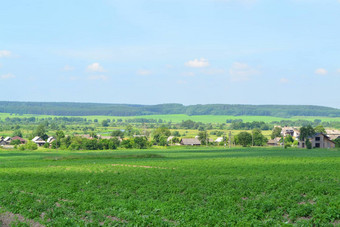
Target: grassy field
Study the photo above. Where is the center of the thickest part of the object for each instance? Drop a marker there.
(170, 187)
(176, 118)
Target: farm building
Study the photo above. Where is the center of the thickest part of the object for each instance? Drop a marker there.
(274, 142)
(190, 142)
(38, 141)
(7, 140)
(22, 141)
(319, 140)
(333, 134)
(290, 131)
(50, 139)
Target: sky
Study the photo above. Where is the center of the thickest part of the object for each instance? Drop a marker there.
(171, 51)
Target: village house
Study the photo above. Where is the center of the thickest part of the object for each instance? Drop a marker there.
(294, 132)
(22, 141)
(190, 142)
(37, 140)
(50, 139)
(274, 142)
(319, 140)
(8, 140)
(333, 134)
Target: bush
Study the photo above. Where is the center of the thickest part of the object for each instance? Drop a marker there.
(31, 146)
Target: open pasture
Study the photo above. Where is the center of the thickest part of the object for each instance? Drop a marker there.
(172, 187)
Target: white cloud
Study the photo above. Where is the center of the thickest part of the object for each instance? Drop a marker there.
(242, 72)
(338, 71)
(68, 68)
(144, 72)
(321, 71)
(284, 80)
(98, 77)
(5, 53)
(7, 76)
(198, 63)
(95, 67)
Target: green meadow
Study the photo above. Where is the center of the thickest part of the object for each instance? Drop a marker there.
(172, 187)
(176, 118)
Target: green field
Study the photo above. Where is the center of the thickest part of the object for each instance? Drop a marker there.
(176, 118)
(170, 187)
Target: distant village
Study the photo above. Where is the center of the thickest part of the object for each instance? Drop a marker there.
(318, 140)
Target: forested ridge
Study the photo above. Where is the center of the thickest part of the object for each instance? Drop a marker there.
(86, 109)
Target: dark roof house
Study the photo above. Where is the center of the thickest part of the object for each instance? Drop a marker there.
(190, 141)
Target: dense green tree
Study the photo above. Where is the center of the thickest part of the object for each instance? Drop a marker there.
(320, 129)
(41, 132)
(160, 135)
(203, 137)
(276, 132)
(105, 123)
(118, 133)
(306, 131)
(244, 139)
(289, 139)
(140, 142)
(258, 138)
(17, 133)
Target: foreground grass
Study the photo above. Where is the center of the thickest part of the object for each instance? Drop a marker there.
(173, 187)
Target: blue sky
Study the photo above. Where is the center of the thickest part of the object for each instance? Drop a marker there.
(171, 51)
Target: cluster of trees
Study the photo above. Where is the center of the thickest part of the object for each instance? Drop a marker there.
(85, 109)
(256, 138)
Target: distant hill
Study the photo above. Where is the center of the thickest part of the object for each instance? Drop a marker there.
(86, 109)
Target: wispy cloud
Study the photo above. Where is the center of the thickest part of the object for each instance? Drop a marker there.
(144, 72)
(7, 76)
(95, 67)
(98, 77)
(242, 71)
(68, 68)
(5, 53)
(321, 71)
(284, 80)
(197, 63)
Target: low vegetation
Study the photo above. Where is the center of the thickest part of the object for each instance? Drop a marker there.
(171, 187)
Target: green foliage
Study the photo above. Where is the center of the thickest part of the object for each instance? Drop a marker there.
(15, 142)
(118, 133)
(276, 132)
(241, 187)
(306, 131)
(30, 146)
(308, 144)
(41, 132)
(160, 135)
(203, 137)
(105, 123)
(337, 142)
(258, 138)
(17, 132)
(320, 129)
(289, 139)
(244, 139)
